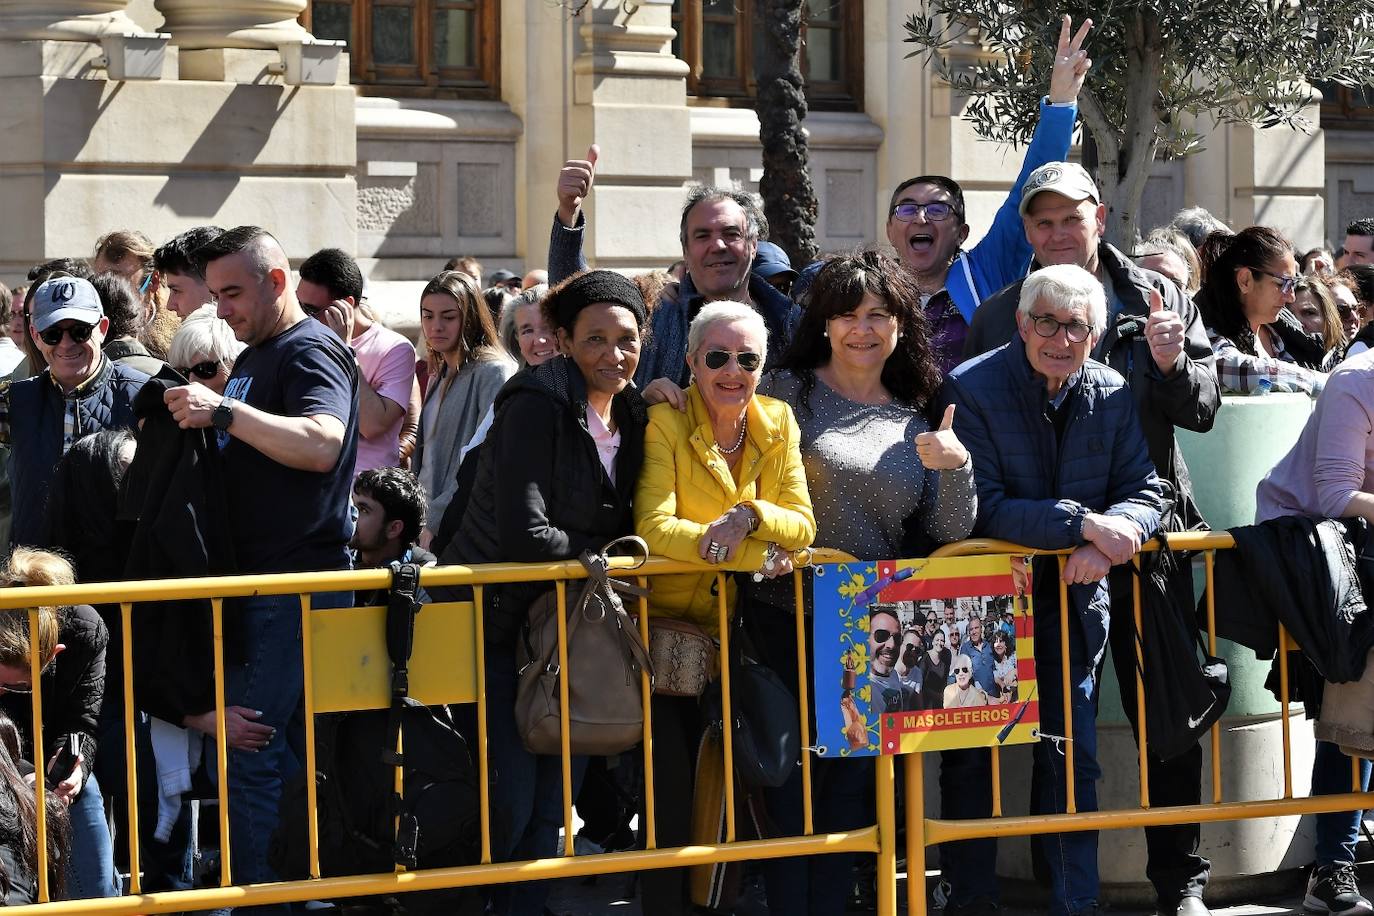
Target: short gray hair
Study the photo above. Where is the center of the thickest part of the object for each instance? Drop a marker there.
(510, 337)
(1197, 223)
(755, 223)
(1066, 286)
(204, 333)
(727, 312)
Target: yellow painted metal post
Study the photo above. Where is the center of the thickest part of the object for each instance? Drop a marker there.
(40, 757)
(726, 716)
(1283, 714)
(483, 776)
(1141, 739)
(996, 781)
(916, 833)
(312, 823)
(126, 628)
(1070, 795)
(221, 740)
(565, 738)
(803, 698)
(1209, 558)
(887, 838)
(650, 826)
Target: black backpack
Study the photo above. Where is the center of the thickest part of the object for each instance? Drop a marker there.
(357, 808)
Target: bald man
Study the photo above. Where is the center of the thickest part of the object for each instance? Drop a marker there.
(287, 430)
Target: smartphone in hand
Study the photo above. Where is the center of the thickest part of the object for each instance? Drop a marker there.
(65, 761)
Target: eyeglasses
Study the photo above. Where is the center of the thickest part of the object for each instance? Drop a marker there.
(206, 370)
(962, 670)
(716, 359)
(1286, 283)
(1049, 326)
(311, 311)
(79, 333)
(936, 211)
(1345, 311)
(882, 637)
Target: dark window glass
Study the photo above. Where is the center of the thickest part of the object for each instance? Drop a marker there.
(393, 35)
(332, 21)
(454, 38)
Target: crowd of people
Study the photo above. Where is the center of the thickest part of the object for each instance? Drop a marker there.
(198, 409)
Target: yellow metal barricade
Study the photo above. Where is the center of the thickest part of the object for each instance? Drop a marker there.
(346, 667)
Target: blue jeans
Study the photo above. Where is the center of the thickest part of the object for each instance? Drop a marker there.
(1338, 832)
(91, 873)
(269, 680)
(526, 797)
(965, 786)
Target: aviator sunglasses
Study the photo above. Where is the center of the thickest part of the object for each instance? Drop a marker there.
(716, 359)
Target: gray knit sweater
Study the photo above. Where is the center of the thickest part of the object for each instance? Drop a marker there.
(864, 475)
(449, 418)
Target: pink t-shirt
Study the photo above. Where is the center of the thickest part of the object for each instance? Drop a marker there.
(388, 363)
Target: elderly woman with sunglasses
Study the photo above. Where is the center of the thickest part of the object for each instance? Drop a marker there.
(1248, 288)
(722, 482)
(204, 349)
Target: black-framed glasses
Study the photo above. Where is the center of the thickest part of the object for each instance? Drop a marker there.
(1049, 326)
(1286, 282)
(937, 211)
(749, 362)
(311, 311)
(79, 333)
(206, 370)
(882, 637)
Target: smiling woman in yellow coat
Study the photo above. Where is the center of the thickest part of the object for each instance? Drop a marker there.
(722, 482)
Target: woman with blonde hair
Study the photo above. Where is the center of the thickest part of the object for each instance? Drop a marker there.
(71, 647)
(722, 482)
(467, 366)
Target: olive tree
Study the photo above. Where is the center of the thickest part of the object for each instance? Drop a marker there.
(1159, 67)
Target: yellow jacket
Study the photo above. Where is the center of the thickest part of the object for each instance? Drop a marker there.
(686, 485)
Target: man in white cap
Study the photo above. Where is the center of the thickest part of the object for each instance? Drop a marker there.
(1155, 338)
(81, 392)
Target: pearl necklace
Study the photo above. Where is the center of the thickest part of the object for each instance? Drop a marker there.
(739, 443)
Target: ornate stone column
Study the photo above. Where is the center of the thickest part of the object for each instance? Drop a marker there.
(204, 24)
(63, 20)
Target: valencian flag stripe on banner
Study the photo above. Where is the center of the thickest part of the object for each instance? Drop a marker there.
(923, 655)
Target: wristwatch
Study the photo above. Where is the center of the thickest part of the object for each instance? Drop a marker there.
(223, 415)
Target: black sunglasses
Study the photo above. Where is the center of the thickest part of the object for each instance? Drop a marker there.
(79, 333)
(311, 311)
(882, 637)
(716, 359)
(206, 370)
(961, 670)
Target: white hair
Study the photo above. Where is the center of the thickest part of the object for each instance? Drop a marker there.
(203, 333)
(727, 312)
(1066, 286)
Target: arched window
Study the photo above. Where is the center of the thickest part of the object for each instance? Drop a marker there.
(436, 48)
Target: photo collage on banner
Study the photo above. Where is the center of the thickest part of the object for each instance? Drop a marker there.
(923, 655)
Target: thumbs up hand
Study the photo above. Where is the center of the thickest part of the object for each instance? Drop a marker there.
(574, 184)
(941, 450)
(1164, 332)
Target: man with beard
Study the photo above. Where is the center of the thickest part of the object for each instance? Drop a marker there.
(925, 217)
(891, 692)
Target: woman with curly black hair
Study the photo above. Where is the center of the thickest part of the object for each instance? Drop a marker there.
(862, 378)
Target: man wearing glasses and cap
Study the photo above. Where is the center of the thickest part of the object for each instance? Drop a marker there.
(1154, 337)
(79, 393)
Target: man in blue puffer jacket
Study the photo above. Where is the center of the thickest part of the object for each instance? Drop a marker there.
(1061, 462)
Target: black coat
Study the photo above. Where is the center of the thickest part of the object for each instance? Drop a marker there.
(73, 685)
(174, 494)
(1299, 571)
(1189, 397)
(540, 493)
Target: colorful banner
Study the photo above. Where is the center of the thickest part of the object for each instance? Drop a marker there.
(923, 655)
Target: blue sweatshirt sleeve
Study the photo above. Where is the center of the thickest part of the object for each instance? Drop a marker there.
(1002, 256)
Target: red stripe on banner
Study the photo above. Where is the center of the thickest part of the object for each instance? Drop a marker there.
(1025, 669)
(948, 719)
(952, 587)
